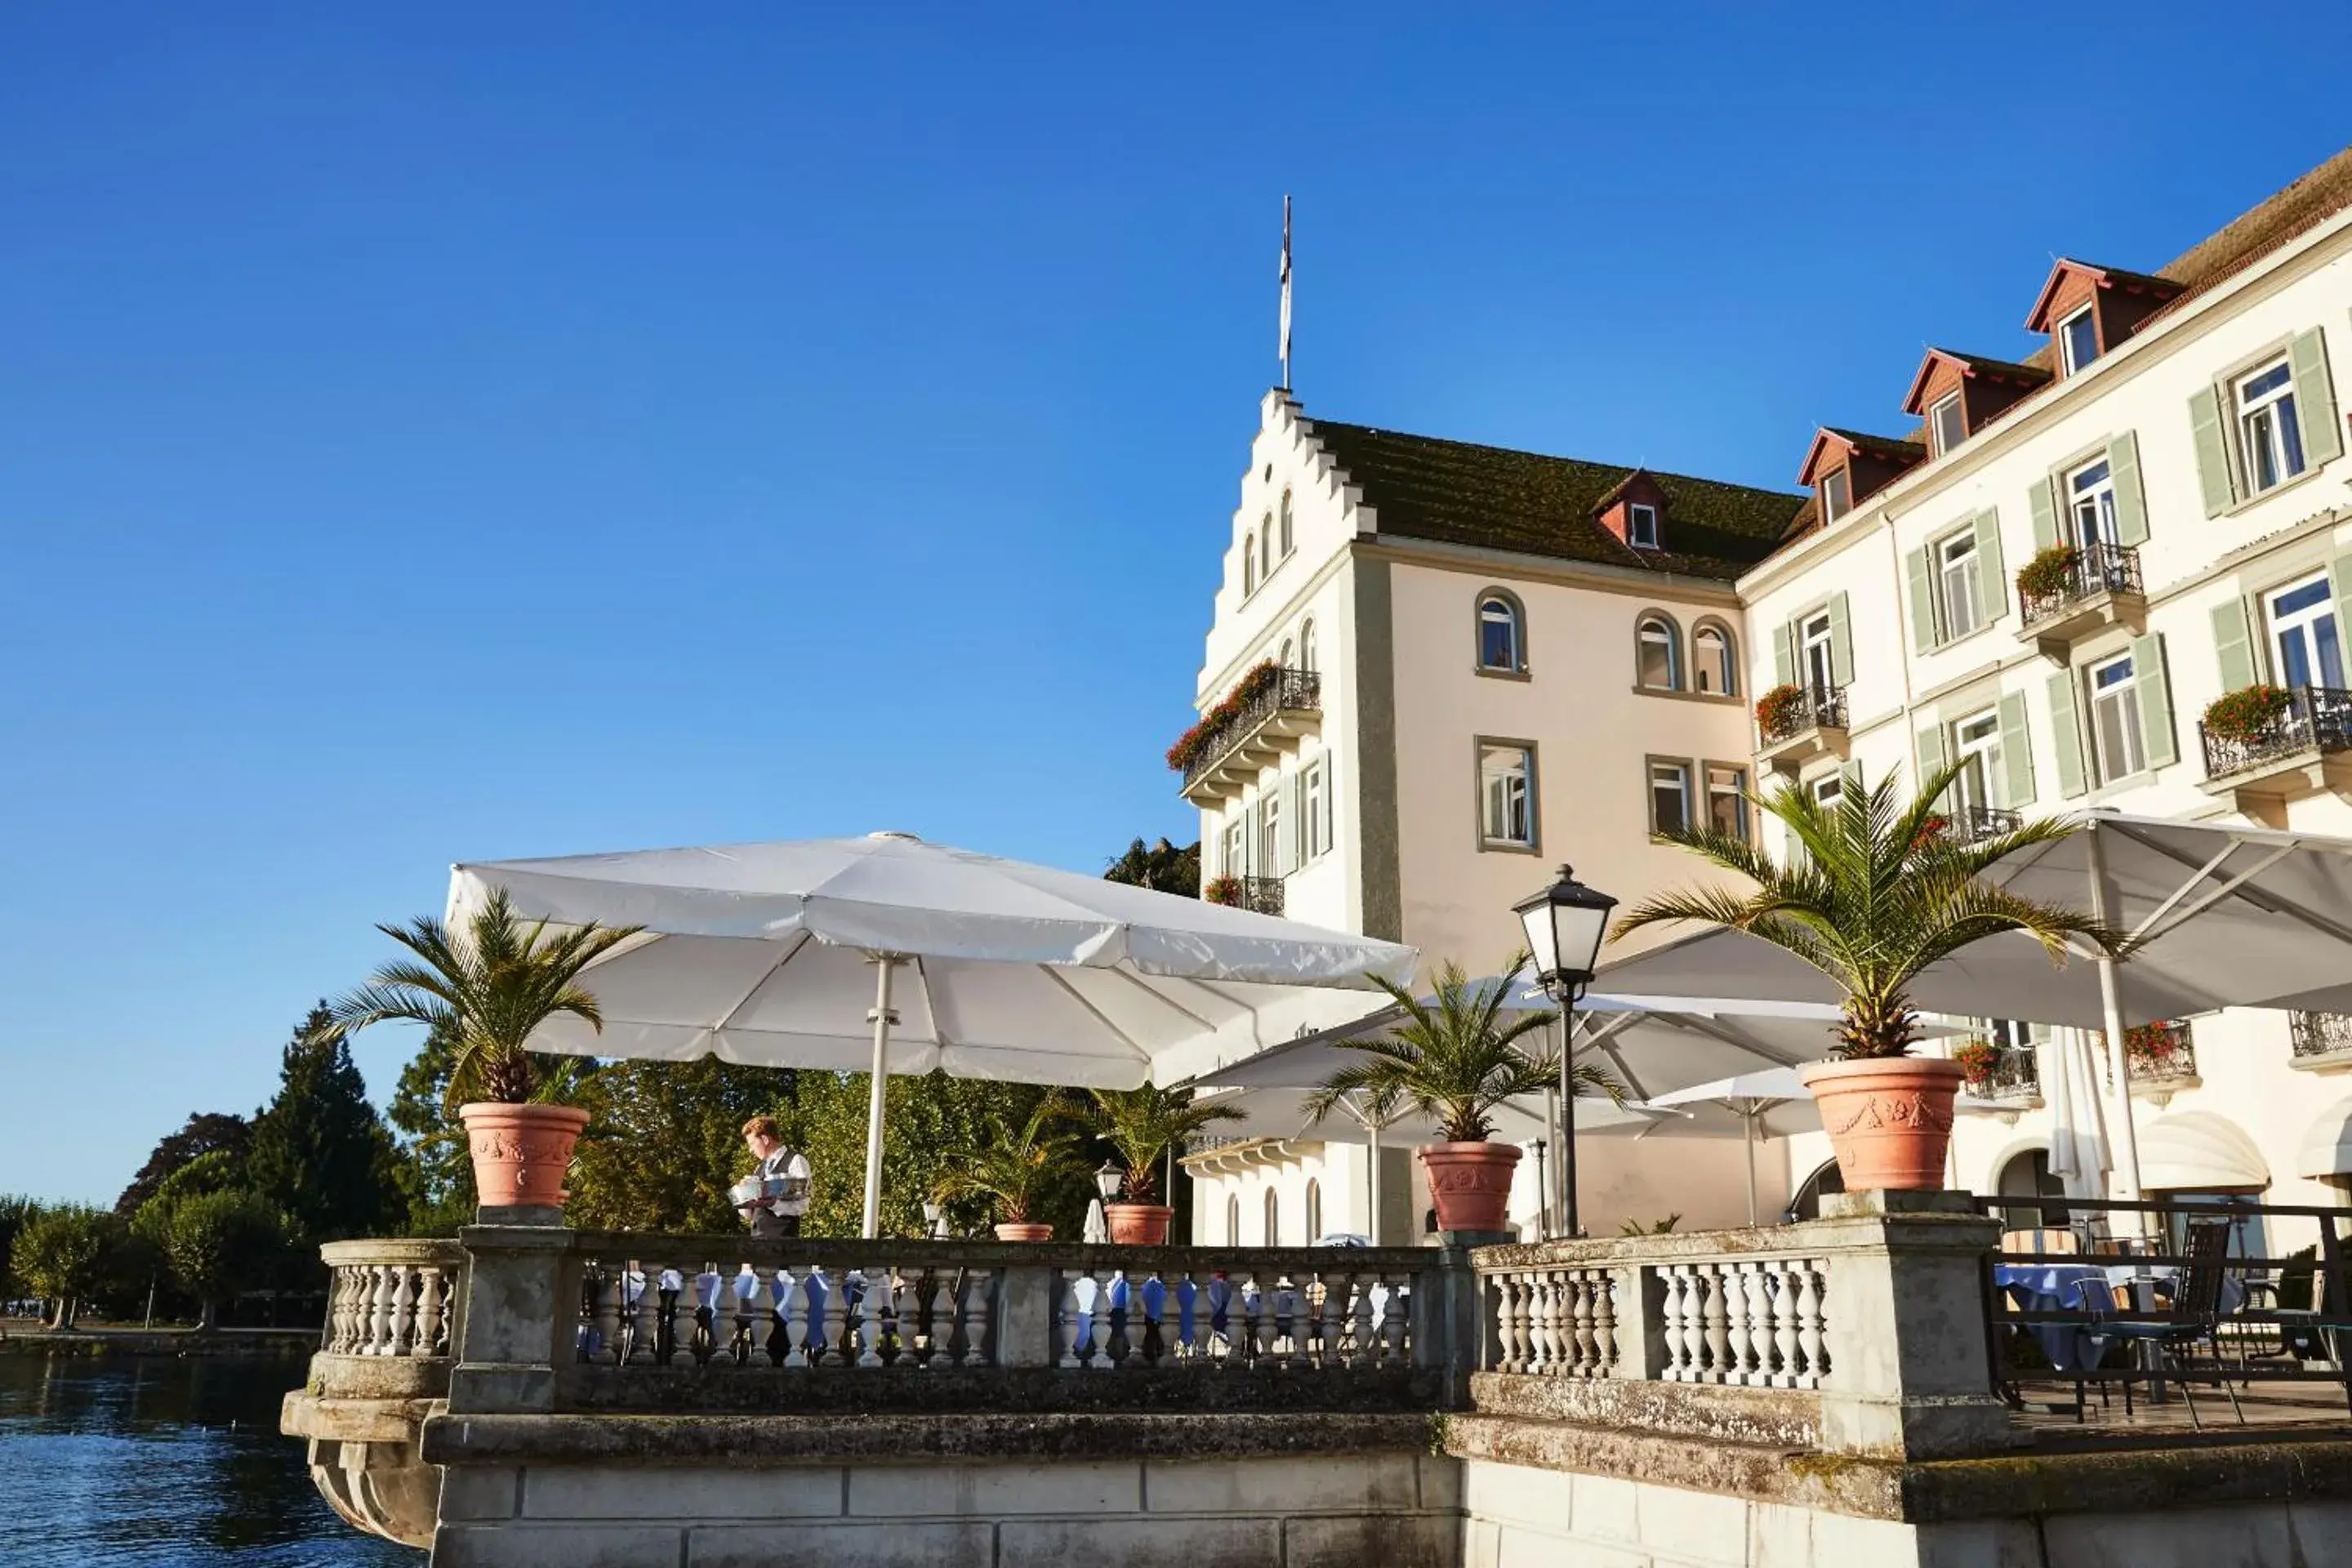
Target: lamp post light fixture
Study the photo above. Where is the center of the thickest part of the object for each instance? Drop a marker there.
(1108, 1180)
(1565, 925)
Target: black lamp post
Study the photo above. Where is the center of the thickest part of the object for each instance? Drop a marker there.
(1565, 925)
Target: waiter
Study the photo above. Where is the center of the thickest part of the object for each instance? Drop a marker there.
(779, 1216)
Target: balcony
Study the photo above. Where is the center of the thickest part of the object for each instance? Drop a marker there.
(2300, 752)
(2015, 1084)
(2162, 1061)
(1971, 824)
(1254, 734)
(2319, 1041)
(1807, 726)
(1259, 895)
(2099, 587)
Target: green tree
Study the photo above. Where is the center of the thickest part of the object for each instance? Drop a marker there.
(320, 1152)
(215, 1242)
(1162, 866)
(1142, 1124)
(1880, 893)
(207, 1133)
(15, 1210)
(436, 1172)
(489, 988)
(1015, 1169)
(64, 1255)
(665, 1141)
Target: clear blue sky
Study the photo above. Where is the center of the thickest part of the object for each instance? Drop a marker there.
(432, 432)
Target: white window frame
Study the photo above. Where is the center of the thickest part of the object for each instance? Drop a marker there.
(1642, 525)
(1249, 563)
(1944, 408)
(1235, 852)
(2066, 335)
(1827, 790)
(1722, 665)
(1976, 745)
(1669, 773)
(1666, 638)
(1727, 781)
(2122, 698)
(1288, 534)
(1307, 645)
(2267, 429)
(1955, 583)
(1315, 805)
(1837, 495)
(1505, 791)
(1510, 618)
(2303, 626)
(1269, 832)
(2090, 503)
(1816, 654)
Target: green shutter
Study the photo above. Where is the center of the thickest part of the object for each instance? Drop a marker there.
(1841, 642)
(2038, 1034)
(1992, 582)
(1784, 654)
(2016, 782)
(1929, 744)
(2131, 502)
(1923, 601)
(2233, 643)
(2043, 504)
(2065, 735)
(2154, 689)
(2315, 400)
(2212, 451)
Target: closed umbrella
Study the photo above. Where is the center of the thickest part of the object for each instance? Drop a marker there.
(890, 954)
(2078, 1130)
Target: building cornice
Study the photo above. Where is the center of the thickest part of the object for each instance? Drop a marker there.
(1599, 576)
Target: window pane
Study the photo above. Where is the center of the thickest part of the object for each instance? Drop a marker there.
(1713, 673)
(2082, 340)
(1726, 807)
(1658, 656)
(1669, 797)
(1950, 431)
(1505, 773)
(1498, 635)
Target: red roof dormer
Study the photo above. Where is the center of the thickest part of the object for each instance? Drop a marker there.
(1634, 511)
(1845, 467)
(2089, 311)
(1957, 394)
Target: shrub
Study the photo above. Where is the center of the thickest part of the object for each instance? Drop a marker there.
(1225, 890)
(2247, 713)
(1192, 743)
(2050, 571)
(1774, 709)
(1978, 1058)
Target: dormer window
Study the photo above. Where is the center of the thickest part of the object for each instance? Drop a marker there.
(1946, 426)
(1837, 496)
(2078, 341)
(1641, 526)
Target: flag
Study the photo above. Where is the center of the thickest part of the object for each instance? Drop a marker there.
(1285, 293)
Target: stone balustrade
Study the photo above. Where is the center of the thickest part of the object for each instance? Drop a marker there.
(1743, 1320)
(391, 1297)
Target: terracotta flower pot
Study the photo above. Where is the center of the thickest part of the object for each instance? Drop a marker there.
(522, 1152)
(1023, 1231)
(1138, 1224)
(1470, 1183)
(1889, 1117)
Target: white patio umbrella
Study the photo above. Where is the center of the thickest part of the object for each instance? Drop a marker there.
(2078, 1131)
(2226, 916)
(760, 954)
(1774, 1102)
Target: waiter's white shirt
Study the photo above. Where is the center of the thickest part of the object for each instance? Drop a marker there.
(790, 1165)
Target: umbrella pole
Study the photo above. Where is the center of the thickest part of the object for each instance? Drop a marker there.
(882, 1018)
(1747, 1137)
(1372, 1177)
(2118, 1060)
(1551, 1136)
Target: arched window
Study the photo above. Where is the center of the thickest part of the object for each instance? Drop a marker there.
(1501, 643)
(1658, 652)
(1714, 661)
(1265, 545)
(1306, 646)
(1249, 564)
(1233, 1219)
(1806, 1202)
(1273, 1218)
(1284, 662)
(1314, 1211)
(1285, 522)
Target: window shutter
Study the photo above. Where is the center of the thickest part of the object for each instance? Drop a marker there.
(1923, 601)
(2315, 400)
(2233, 643)
(2016, 753)
(1330, 805)
(2131, 500)
(1841, 642)
(1929, 743)
(2154, 689)
(2213, 450)
(1784, 654)
(1992, 582)
(2038, 1034)
(2043, 502)
(2065, 735)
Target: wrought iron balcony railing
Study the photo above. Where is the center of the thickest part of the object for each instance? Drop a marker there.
(2160, 1053)
(2016, 1075)
(1298, 690)
(2313, 1035)
(2097, 569)
(2317, 718)
(1812, 709)
(1971, 823)
(1261, 895)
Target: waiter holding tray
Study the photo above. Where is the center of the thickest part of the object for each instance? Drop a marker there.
(775, 1195)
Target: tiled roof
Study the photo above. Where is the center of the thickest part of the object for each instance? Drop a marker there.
(1894, 448)
(1459, 493)
(2001, 369)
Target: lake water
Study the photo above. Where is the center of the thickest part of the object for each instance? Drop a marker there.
(150, 1462)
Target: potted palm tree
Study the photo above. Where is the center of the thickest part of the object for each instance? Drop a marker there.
(488, 987)
(1013, 1170)
(1143, 1124)
(1877, 897)
(1456, 1059)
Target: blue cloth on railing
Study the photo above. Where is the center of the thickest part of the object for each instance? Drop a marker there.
(2061, 1287)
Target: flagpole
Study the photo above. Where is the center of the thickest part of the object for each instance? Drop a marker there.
(1286, 291)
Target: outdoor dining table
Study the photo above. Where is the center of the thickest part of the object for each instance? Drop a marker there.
(2083, 1287)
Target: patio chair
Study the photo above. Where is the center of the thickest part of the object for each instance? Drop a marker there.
(2195, 1318)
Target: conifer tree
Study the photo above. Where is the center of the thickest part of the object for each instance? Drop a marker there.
(319, 1152)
